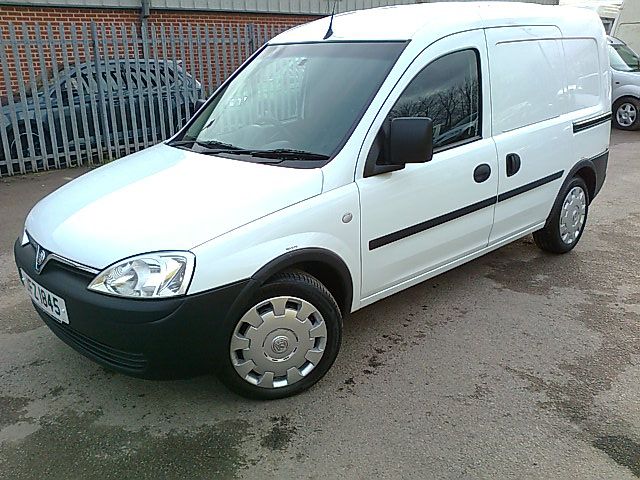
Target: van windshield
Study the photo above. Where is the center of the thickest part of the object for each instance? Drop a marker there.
(623, 59)
(293, 103)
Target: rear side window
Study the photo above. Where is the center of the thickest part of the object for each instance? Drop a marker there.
(527, 84)
(583, 72)
(447, 91)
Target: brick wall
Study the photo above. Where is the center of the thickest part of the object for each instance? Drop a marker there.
(78, 15)
(56, 27)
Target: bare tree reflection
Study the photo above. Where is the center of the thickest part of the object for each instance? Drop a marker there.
(454, 111)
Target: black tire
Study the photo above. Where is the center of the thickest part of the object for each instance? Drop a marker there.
(42, 147)
(549, 238)
(293, 284)
(619, 104)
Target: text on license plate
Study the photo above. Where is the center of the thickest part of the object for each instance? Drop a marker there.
(50, 303)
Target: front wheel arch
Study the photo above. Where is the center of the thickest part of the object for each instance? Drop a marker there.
(320, 263)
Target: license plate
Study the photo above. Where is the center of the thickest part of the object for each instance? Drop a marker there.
(50, 303)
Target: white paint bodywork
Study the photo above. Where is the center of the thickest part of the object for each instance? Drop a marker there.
(162, 198)
(236, 216)
(395, 200)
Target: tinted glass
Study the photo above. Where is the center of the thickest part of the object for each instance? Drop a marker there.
(448, 92)
(300, 97)
(624, 59)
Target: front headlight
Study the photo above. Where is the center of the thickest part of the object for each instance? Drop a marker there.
(152, 275)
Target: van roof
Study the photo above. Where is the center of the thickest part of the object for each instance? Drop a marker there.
(436, 20)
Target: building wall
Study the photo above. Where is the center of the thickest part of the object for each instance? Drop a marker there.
(69, 15)
(295, 7)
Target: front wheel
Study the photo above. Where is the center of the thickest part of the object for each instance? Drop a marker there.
(285, 341)
(626, 114)
(568, 218)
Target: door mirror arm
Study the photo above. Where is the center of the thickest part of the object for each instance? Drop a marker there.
(376, 163)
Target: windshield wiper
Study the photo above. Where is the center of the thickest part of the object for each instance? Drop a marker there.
(280, 154)
(212, 144)
(288, 154)
(215, 145)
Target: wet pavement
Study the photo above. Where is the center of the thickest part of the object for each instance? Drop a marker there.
(517, 365)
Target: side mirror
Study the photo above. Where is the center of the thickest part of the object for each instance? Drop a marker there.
(410, 140)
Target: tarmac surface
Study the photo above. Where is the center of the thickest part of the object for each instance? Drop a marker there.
(518, 365)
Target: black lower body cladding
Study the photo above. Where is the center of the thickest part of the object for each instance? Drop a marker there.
(163, 338)
(600, 164)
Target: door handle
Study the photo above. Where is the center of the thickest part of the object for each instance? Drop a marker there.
(482, 173)
(513, 164)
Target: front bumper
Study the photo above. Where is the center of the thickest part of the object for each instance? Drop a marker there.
(164, 338)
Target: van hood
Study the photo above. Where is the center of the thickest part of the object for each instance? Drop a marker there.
(162, 198)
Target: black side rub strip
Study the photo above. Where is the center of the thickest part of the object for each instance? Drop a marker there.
(529, 186)
(434, 222)
(461, 212)
(590, 122)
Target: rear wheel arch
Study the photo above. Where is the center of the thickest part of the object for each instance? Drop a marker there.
(586, 170)
(588, 174)
(567, 218)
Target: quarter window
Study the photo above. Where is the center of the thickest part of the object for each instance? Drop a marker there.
(447, 91)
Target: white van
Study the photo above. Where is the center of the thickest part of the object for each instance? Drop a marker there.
(347, 160)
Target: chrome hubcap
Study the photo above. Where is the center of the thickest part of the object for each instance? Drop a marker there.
(626, 114)
(572, 215)
(278, 342)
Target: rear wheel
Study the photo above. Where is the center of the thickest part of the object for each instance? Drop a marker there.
(568, 218)
(626, 113)
(285, 341)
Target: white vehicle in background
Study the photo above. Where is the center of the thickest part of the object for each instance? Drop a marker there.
(349, 159)
(625, 94)
(627, 24)
(607, 10)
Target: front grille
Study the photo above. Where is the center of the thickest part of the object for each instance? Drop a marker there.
(118, 359)
(54, 260)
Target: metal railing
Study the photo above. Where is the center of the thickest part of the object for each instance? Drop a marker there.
(83, 94)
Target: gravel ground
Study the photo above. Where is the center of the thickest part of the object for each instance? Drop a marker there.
(517, 365)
